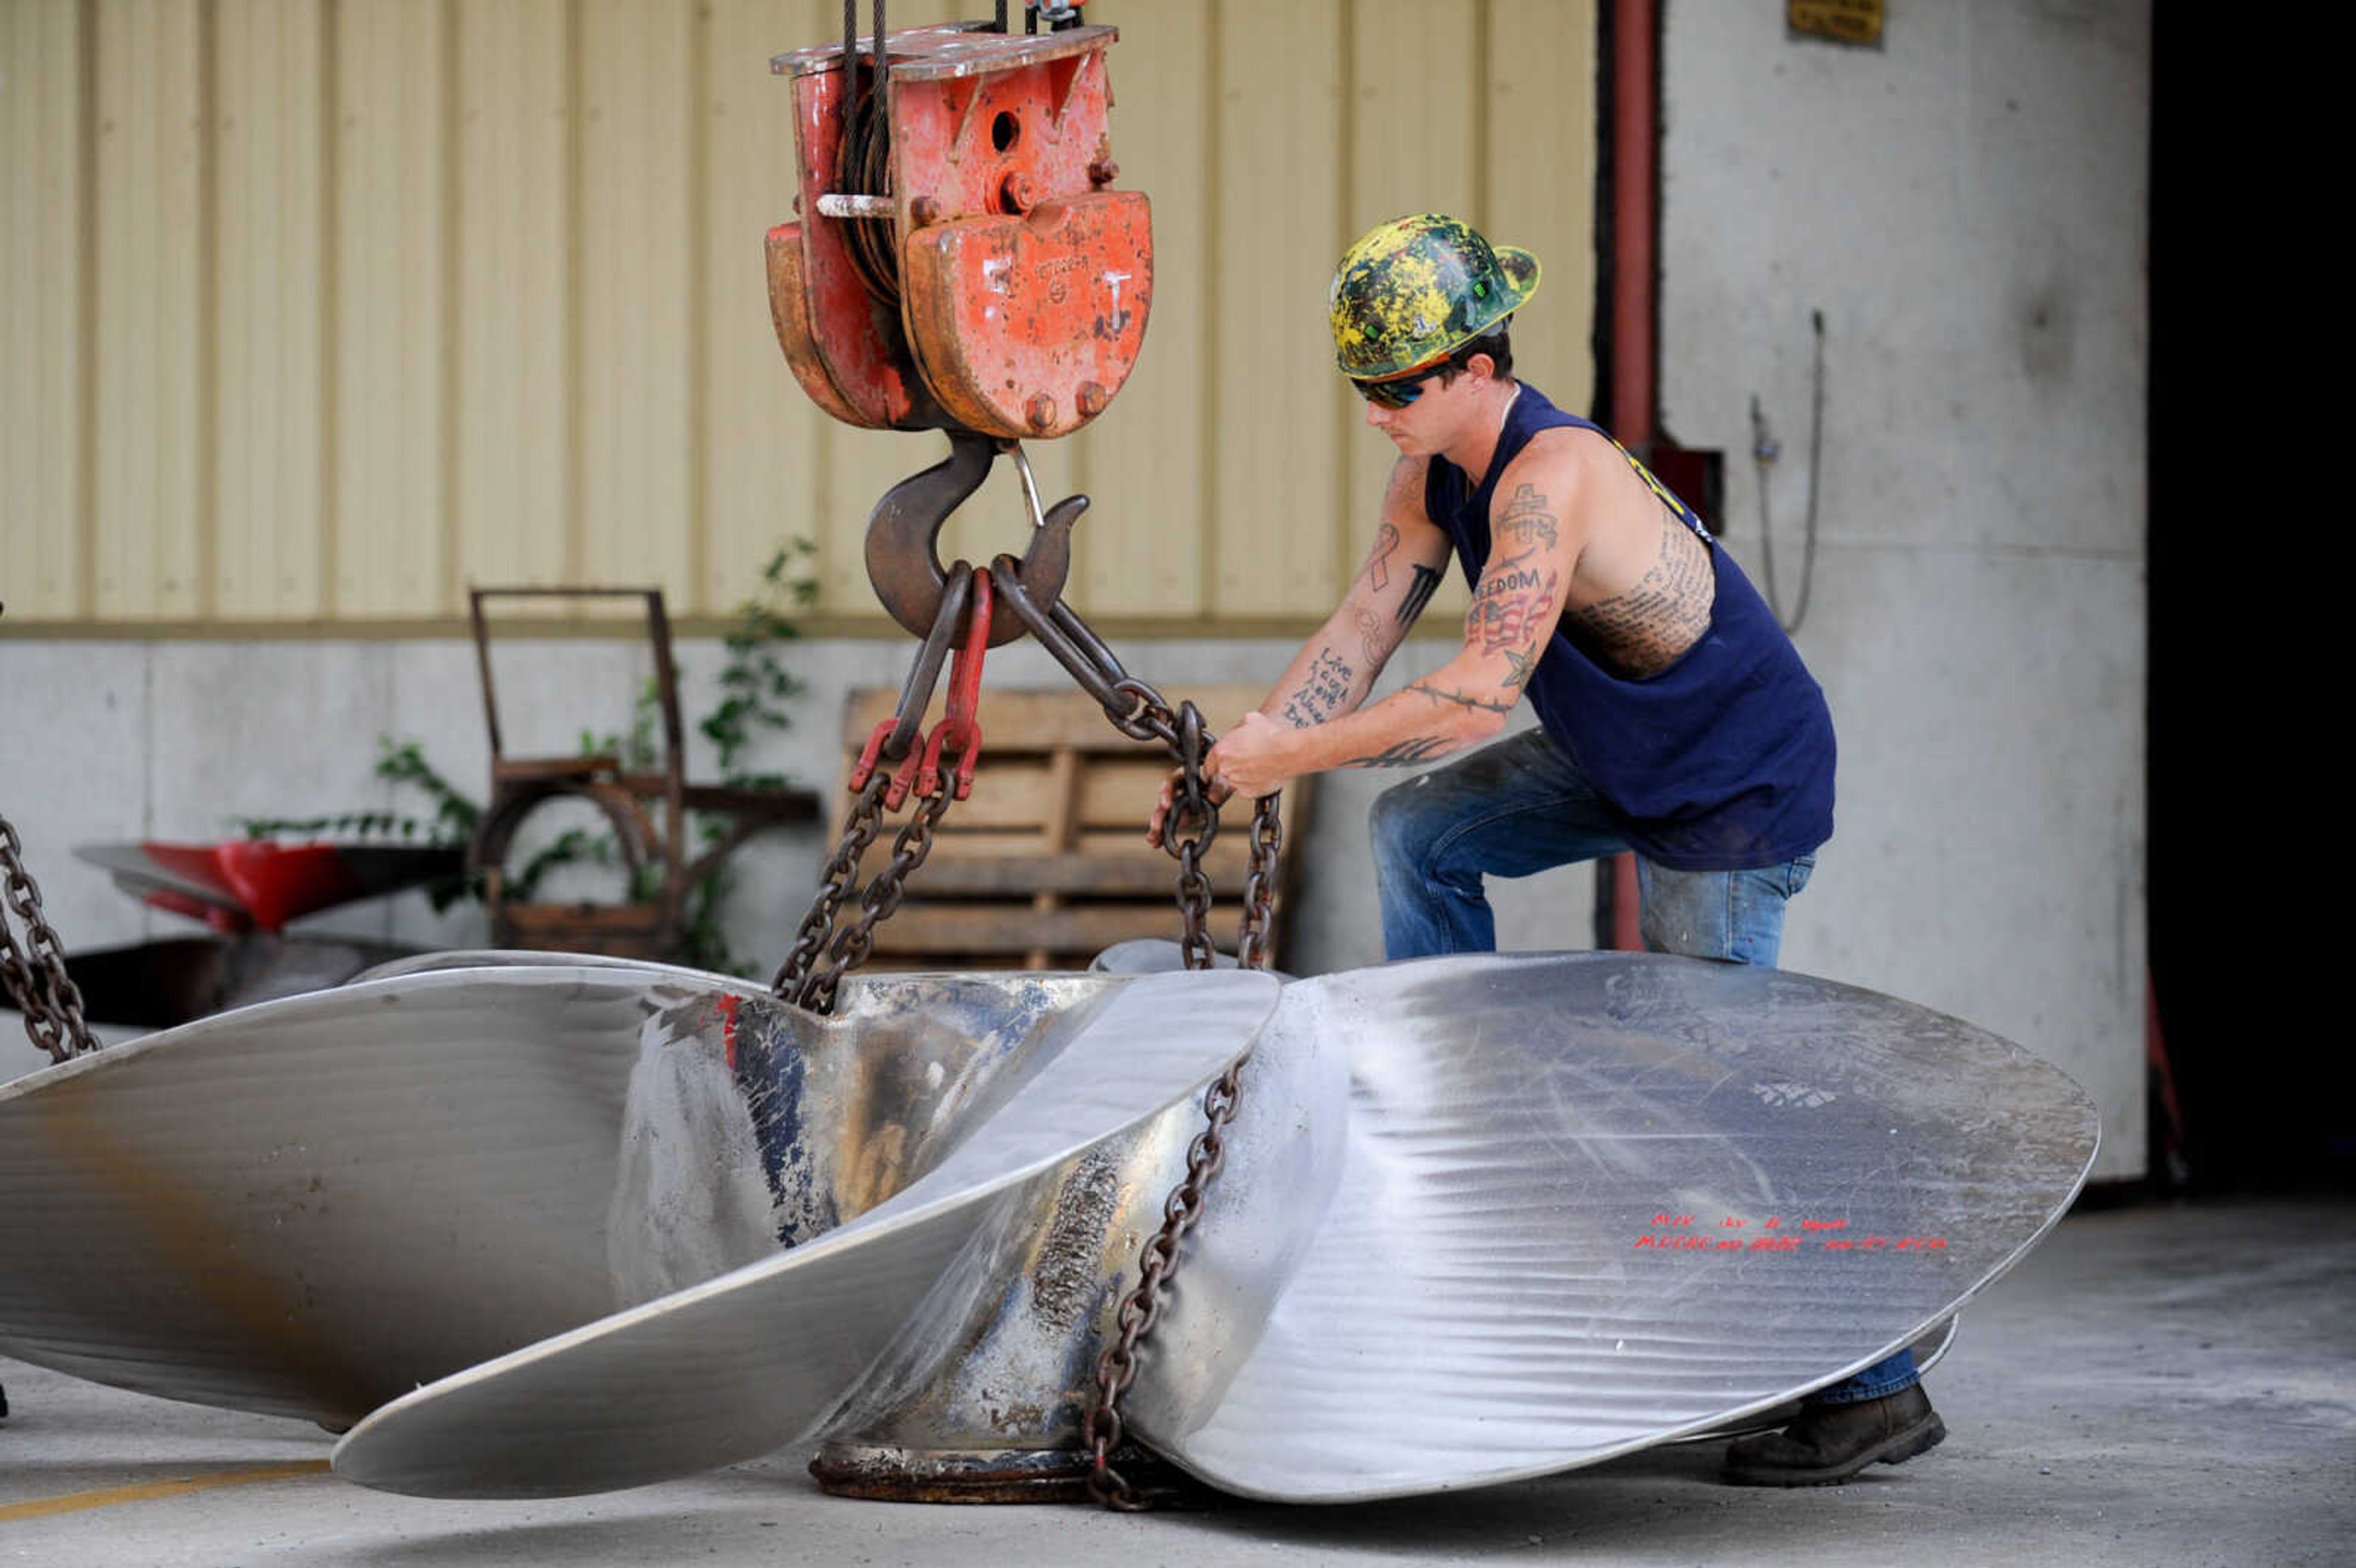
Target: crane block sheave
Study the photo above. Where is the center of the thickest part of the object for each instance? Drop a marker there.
(959, 258)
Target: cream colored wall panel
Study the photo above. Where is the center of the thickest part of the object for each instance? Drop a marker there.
(1416, 116)
(371, 299)
(1415, 108)
(513, 484)
(1278, 440)
(1142, 549)
(40, 310)
(391, 311)
(269, 201)
(759, 442)
(150, 273)
(861, 464)
(637, 97)
(1541, 185)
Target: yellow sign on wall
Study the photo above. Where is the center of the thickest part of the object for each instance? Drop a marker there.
(1844, 21)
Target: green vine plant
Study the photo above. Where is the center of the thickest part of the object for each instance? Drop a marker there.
(756, 689)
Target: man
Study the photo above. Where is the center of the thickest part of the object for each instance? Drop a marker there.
(1674, 718)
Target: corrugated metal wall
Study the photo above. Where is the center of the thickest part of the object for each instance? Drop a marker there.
(314, 312)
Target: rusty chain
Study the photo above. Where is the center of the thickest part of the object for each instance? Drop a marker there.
(1141, 1307)
(1102, 1428)
(891, 763)
(854, 943)
(1188, 831)
(1260, 884)
(794, 976)
(1138, 711)
(34, 974)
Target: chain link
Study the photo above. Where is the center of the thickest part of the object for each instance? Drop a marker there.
(1260, 884)
(1116, 1368)
(1138, 711)
(835, 884)
(1188, 831)
(1194, 818)
(34, 974)
(886, 768)
(857, 940)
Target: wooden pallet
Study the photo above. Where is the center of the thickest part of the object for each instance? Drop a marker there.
(1045, 864)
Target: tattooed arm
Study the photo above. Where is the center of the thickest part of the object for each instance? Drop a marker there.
(1516, 604)
(1338, 666)
(1335, 668)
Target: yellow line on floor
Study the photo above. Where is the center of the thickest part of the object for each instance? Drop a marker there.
(75, 1502)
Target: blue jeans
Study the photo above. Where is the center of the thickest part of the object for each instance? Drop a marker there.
(1518, 806)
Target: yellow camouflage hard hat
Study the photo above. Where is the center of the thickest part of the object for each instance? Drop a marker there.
(1416, 289)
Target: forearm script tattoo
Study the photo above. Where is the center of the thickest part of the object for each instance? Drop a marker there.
(1321, 692)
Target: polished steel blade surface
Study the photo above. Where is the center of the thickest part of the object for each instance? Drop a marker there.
(533, 958)
(309, 1205)
(989, 1384)
(741, 1364)
(1592, 1202)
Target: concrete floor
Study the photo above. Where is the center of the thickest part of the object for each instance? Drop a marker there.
(2156, 1384)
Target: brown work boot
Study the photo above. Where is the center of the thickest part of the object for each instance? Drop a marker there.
(1830, 1443)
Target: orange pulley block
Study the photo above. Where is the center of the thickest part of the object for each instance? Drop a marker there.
(959, 258)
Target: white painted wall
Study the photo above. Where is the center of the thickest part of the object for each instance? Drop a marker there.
(111, 741)
(1966, 206)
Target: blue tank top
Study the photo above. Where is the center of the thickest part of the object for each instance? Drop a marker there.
(1723, 762)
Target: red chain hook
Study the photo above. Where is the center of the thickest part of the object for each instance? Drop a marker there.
(960, 731)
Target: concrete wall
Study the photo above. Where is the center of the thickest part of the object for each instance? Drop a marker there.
(111, 741)
(1966, 206)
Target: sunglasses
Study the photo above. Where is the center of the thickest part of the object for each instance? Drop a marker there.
(1392, 394)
